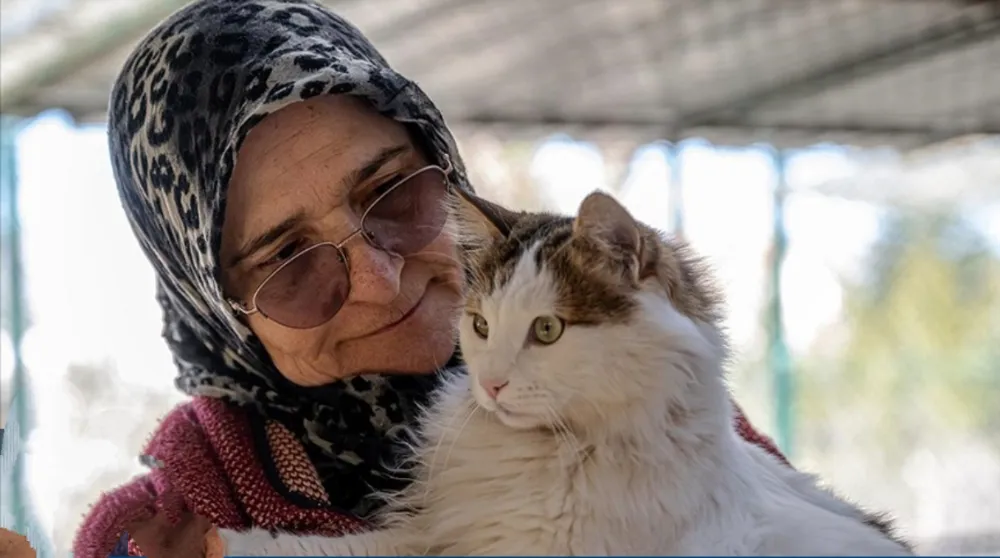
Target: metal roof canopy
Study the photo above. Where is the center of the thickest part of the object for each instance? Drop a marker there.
(787, 72)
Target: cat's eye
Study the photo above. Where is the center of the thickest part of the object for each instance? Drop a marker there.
(481, 326)
(547, 329)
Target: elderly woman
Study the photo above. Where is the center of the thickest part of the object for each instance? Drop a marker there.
(286, 185)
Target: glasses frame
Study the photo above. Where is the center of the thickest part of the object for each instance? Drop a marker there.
(369, 237)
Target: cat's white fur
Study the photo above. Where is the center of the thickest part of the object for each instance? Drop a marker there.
(643, 459)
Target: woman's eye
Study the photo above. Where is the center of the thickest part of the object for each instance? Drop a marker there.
(380, 190)
(286, 252)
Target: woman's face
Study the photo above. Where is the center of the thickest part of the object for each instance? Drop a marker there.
(301, 178)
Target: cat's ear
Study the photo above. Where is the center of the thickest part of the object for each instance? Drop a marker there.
(480, 219)
(602, 218)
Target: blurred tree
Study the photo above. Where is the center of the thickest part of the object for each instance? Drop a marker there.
(116, 417)
(921, 353)
(500, 170)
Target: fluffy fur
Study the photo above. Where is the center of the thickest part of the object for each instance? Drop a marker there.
(612, 431)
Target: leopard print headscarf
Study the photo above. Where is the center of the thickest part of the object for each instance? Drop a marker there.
(180, 109)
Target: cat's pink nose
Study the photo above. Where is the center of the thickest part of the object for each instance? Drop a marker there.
(493, 387)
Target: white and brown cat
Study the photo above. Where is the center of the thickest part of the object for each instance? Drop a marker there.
(594, 418)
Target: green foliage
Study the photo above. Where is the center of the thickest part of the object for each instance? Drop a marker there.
(922, 352)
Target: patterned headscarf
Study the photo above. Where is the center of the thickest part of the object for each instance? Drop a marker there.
(180, 109)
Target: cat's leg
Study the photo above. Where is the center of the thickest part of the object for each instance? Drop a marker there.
(259, 542)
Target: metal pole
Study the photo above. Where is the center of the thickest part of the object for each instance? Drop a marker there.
(778, 354)
(19, 397)
(674, 150)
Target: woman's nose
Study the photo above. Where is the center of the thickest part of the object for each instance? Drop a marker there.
(375, 274)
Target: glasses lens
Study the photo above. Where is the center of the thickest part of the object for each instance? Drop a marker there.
(411, 215)
(308, 291)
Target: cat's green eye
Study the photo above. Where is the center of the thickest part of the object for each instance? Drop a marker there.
(481, 326)
(547, 329)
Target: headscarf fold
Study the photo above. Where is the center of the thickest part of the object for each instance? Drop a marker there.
(182, 105)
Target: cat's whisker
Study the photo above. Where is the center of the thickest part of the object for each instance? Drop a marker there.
(570, 440)
(562, 429)
(579, 395)
(580, 452)
(468, 409)
(557, 430)
(473, 408)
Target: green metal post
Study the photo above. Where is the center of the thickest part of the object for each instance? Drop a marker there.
(777, 353)
(19, 396)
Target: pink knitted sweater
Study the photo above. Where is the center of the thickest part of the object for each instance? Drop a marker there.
(202, 460)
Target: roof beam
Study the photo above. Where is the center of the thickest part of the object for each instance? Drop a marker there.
(494, 119)
(939, 39)
(418, 21)
(78, 47)
(432, 56)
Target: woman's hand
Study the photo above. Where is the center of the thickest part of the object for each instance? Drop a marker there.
(192, 536)
(15, 545)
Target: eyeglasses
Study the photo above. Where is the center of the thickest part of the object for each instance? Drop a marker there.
(308, 289)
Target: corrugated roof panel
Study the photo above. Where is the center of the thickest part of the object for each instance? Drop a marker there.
(800, 68)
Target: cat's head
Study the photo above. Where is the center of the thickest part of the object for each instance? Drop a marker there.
(577, 319)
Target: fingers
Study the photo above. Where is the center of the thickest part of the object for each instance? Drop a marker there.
(15, 545)
(160, 538)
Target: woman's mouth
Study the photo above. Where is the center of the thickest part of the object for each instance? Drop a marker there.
(403, 318)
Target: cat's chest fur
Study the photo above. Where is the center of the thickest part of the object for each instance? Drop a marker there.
(539, 492)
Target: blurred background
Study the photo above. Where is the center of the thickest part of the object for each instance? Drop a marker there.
(837, 160)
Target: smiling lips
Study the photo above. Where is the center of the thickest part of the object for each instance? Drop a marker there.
(401, 319)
